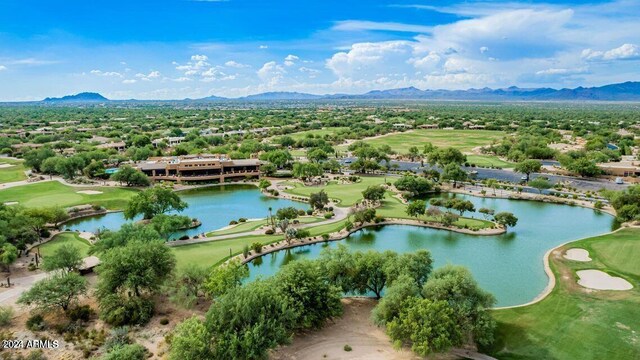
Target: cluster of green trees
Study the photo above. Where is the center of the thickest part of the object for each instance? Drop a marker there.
(244, 322)
(626, 203)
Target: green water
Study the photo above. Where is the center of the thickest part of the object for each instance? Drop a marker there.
(510, 265)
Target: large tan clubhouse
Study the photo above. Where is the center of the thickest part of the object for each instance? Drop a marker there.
(205, 167)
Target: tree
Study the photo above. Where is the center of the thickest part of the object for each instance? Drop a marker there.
(374, 193)
(264, 183)
(305, 171)
(506, 219)
(369, 273)
(66, 258)
(279, 158)
(317, 155)
(462, 206)
(428, 325)
(126, 352)
(445, 156)
(416, 208)
(249, 320)
(226, 277)
(471, 304)
(287, 213)
(433, 212)
(35, 158)
(364, 215)
(128, 233)
(449, 219)
(318, 200)
(191, 340)
(166, 225)
(154, 201)
(414, 153)
(540, 184)
(528, 166)
(486, 212)
(309, 293)
(8, 254)
(136, 268)
(130, 176)
(584, 167)
(493, 184)
(414, 186)
(58, 291)
(453, 172)
(188, 286)
(389, 307)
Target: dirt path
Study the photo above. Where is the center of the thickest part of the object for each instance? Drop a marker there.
(355, 329)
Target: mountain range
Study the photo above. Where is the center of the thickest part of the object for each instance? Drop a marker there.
(627, 91)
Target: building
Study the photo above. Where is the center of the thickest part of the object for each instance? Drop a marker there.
(205, 168)
(118, 146)
(621, 168)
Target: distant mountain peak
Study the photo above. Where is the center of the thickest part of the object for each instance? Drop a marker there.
(81, 97)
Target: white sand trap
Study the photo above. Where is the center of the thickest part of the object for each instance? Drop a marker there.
(89, 192)
(11, 203)
(3, 166)
(600, 280)
(577, 255)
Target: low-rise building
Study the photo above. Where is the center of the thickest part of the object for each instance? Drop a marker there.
(199, 168)
(621, 168)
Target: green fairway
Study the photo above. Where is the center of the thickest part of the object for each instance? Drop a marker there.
(348, 194)
(212, 252)
(14, 172)
(252, 225)
(573, 323)
(464, 140)
(53, 193)
(51, 246)
(488, 161)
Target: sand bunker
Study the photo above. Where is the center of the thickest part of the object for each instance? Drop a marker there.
(600, 280)
(577, 255)
(89, 192)
(2, 166)
(11, 203)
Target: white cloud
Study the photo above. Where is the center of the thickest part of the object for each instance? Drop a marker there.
(2, 67)
(148, 77)
(483, 49)
(129, 81)
(234, 64)
(106, 73)
(290, 60)
(271, 73)
(624, 52)
(263, 47)
(196, 66)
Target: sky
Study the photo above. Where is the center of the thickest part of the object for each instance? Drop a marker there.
(175, 49)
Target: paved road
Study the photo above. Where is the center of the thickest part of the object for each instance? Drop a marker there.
(510, 176)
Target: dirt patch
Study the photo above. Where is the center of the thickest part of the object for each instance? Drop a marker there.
(4, 166)
(600, 280)
(354, 328)
(89, 192)
(577, 255)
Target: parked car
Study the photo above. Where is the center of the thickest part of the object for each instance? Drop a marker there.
(619, 181)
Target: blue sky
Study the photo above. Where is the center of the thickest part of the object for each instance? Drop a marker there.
(172, 49)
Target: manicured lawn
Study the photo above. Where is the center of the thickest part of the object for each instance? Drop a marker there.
(348, 194)
(51, 246)
(572, 323)
(12, 173)
(489, 161)
(464, 140)
(53, 193)
(252, 225)
(212, 252)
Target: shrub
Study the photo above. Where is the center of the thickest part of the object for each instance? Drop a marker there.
(81, 313)
(347, 348)
(233, 222)
(129, 352)
(348, 225)
(309, 212)
(6, 313)
(301, 212)
(245, 251)
(184, 237)
(325, 237)
(257, 247)
(378, 219)
(269, 232)
(328, 215)
(36, 323)
(118, 337)
(330, 208)
(118, 311)
(241, 220)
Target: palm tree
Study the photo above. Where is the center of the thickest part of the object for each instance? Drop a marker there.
(273, 225)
